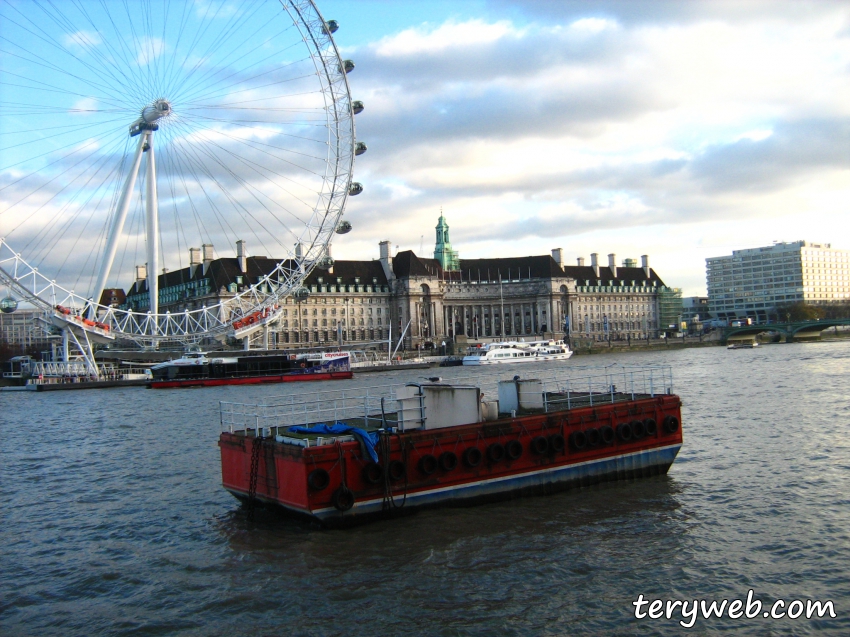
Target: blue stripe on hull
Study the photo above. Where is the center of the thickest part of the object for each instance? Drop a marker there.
(632, 465)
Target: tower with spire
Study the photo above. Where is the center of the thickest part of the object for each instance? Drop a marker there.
(443, 250)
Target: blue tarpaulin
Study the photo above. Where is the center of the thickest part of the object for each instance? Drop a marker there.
(368, 440)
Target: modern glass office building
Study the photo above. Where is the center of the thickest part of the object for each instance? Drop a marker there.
(753, 282)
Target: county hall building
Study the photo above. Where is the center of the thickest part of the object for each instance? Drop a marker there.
(432, 300)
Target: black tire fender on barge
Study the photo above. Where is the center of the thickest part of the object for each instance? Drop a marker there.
(448, 461)
(606, 433)
(540, 445)
(396, 470)
(650, 426)
(513, 449)
(318, 480)
(557, 444)
(638, 430)
(496, 452)
(373, 473)
(472, 457)
(671, 424)
(578, 440)
(427, 464)
(343, 498)
(624, 432)
(592, 436)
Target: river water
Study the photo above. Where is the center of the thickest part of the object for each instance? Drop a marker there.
(113, 522)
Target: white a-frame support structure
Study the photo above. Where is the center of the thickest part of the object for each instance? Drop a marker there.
(144, 127)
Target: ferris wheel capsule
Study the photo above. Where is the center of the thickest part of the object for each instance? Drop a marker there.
(355, 189)
(357, 107)
(8, 305)
(343, 228)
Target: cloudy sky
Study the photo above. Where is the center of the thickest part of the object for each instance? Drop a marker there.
(681, 130)
(678, 130)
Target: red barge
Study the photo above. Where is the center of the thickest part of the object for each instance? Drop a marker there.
(449, 444)
(198, 370)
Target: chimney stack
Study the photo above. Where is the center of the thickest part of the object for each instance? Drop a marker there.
(644, 263)
(141, 272)
(386, 259)
(194, 259)
(580, 262)
(612, 264)
(207, 250)
(242, 256)
(594, 263)
(558, 255)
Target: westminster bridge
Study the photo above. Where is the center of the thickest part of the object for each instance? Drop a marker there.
(790, 331)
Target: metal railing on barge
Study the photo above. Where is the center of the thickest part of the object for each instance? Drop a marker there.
(371, 407)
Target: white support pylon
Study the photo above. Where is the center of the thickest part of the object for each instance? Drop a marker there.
(118, 222)
(152, 225)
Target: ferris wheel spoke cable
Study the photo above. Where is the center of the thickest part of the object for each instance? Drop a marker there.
(191, 164)
(199, 34)
(224, 61)
(237, 205)
(258, 143)
(48, 245)
(201, 227)
(247, 186)
(74, 33)
(195, 92)
(54, 178)
(106, 69)
(37, 60)
(76, 129)
(257, 166)
(48, 88)
(202, 231)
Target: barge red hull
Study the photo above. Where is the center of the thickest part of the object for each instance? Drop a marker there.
(248, 380)
(336, 485)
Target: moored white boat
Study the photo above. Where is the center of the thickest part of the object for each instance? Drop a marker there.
(517, 352)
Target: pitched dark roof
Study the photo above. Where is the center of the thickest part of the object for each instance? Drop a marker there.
(348, 271)
(407, 264)
(582, 273)
(510, 268)
(222, 272)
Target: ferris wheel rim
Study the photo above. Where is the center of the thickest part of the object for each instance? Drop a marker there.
(289, 273)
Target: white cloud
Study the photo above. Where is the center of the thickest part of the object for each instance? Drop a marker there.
(597, 130)
(150, 48)
(426, 39)
(84, 39)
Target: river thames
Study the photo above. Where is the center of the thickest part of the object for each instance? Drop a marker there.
(114, 521)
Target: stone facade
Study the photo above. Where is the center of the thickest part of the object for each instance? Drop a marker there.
(362, 302)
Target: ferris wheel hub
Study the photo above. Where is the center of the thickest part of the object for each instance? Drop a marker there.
(151, 114)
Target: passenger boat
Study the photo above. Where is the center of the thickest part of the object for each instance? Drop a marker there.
(197, 369)
(517, 352)
(745, 345)
(354, 455)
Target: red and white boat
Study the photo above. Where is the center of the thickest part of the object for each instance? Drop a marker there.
(441, 443)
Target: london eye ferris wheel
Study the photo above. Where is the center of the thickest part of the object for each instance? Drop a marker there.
(132, 132)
